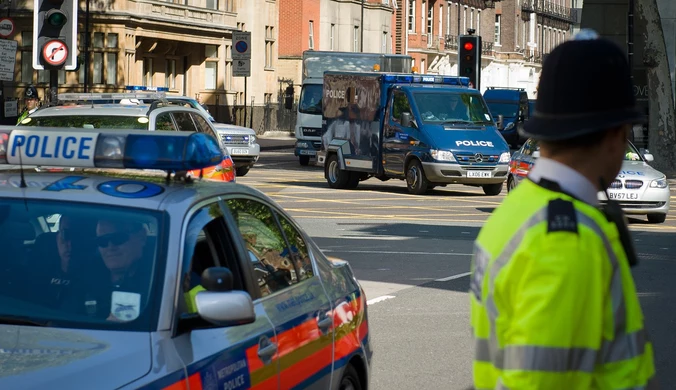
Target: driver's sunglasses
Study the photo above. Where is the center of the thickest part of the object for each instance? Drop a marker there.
(116, 239)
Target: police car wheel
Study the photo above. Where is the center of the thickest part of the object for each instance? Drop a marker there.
(350, 380)
(242, 171)
(415, 178)
(510, 184)
(492, 189)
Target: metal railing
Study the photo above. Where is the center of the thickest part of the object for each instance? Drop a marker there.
(550, 9)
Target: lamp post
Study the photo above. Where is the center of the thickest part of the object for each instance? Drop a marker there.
(361, 30)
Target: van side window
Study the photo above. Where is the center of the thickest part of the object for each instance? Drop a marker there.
(400, 105)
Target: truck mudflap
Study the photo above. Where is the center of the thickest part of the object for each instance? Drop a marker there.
(346, 158)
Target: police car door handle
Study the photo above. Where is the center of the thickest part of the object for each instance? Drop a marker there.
(267, 352)
(325, 324)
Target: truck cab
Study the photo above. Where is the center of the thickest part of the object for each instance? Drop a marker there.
(427, 130)
(510, 108)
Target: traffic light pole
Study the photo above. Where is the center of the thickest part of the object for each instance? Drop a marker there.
(53, 86)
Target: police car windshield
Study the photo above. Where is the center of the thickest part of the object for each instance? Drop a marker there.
(90, 121)
(632, 154)
(79, 265)
(452, 108)
(507, 110)
(311, 99)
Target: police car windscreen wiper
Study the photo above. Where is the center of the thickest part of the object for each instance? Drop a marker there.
(17, 320)
(457, 122)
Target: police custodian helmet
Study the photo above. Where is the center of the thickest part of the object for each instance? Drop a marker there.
(31, 93)
(585, 87)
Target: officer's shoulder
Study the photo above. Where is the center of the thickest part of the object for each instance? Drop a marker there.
(561, 216)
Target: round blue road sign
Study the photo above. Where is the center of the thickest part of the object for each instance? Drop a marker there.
(241, 46)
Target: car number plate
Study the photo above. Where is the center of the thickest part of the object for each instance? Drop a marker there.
(623, 195)
(308, 152)
(239, 151)
(481, 174)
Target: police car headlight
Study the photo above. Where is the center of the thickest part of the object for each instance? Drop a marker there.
(442, 155)
(504, 158)
(659, 183)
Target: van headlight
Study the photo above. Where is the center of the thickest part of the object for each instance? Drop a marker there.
(659, 183)
(252, 139)
(442, 155)
(505, 157)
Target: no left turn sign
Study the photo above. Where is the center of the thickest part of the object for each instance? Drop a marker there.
(55, 52)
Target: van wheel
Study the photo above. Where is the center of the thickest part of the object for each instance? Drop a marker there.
(242, 171)
(657, 218)
(336, 177)
(415, 178)
(350, 379)
(510, 184)
(492, 189)
(304, 160)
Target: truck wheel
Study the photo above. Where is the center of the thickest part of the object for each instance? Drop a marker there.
(492, 189)
(242, 171)
(304, 160)
(336, 177)
(657, 218)
(415, 178)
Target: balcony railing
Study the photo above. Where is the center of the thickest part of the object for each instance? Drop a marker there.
(451, 44)
(548, 8)
(535, 56)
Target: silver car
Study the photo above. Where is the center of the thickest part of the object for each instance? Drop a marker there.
(639, 188)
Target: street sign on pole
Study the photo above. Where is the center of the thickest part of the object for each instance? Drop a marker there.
(241, 45)
(241, 68)
(6, 27)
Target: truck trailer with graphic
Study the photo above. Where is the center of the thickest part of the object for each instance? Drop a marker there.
(309, 111)
(427, 130)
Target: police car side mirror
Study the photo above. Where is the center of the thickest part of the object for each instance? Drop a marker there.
(406, 119)
(649, 157)
(226, 308)
(536, 154)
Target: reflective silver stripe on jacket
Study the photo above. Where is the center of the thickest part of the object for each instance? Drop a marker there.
(538, 358)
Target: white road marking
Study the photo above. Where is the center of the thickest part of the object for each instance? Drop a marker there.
(458, 276)
(379, 299)
(399, 253)
(381, 238)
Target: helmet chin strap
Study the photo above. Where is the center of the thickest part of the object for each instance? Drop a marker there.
(613, 212)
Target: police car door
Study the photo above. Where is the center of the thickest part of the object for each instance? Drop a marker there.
(395, 134)
(236, 357)
(292, 293)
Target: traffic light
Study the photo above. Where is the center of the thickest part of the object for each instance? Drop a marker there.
(469, 58)
(55, 34)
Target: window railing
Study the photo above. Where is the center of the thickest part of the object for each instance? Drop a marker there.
(550, 9)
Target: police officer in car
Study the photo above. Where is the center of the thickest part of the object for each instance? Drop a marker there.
(31, 100)
(553, 302)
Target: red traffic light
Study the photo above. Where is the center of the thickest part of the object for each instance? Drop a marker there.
(468, 46)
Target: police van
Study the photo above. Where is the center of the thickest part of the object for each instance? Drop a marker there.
(120, 280)
(427, 130)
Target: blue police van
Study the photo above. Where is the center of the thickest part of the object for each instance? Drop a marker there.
(427, 130)
(511, 109)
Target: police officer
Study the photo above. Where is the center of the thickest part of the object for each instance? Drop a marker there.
(31, 103)
(553, 302)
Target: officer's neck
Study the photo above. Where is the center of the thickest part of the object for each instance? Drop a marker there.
(585, 166)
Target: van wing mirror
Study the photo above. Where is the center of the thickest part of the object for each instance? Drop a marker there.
(500, 122)
(406, 119)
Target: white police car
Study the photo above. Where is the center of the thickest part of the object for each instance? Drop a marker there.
(116, 281)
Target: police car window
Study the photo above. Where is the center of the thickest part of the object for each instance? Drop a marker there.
(94, 267)
(452, 107)
(298, 250)
(400, 105)
(202, 125)
(90, 121)
(272, 262)
(164, 122)
(184, 121)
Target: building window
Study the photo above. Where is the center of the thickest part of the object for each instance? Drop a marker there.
(497, 30)
(27, 57)
(411, 16)
(383, 42)
(430, 19)
(355, 40)
(270, 46)
(103, 61)
(228, 67)
(212, 4)
(448, 19)
(311, 35)
(267, 98)
(170, 74)
(210, 66)
(423, 13)
(333, 31)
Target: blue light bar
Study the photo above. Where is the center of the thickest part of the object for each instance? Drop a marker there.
(89, 148)
(426, 79)
(142, 88)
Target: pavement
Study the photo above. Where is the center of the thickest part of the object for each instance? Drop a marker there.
(276, 140)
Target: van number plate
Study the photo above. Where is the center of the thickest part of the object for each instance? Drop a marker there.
(481, 174)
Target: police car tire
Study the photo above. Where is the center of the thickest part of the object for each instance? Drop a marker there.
(510, 184)
(242, 171)
(492, 189)
(421, 184)
(350, 379)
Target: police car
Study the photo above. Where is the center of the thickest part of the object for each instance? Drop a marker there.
(128, 282)
(95, 111)
(639, 188)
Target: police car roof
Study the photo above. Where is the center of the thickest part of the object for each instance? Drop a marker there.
(83, 186)
(94, 109)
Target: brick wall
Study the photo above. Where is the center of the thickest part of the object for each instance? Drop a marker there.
(289, 22)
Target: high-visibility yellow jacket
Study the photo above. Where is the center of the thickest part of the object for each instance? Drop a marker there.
(553, 302)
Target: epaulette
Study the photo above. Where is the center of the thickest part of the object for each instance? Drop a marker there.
(561, 216)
